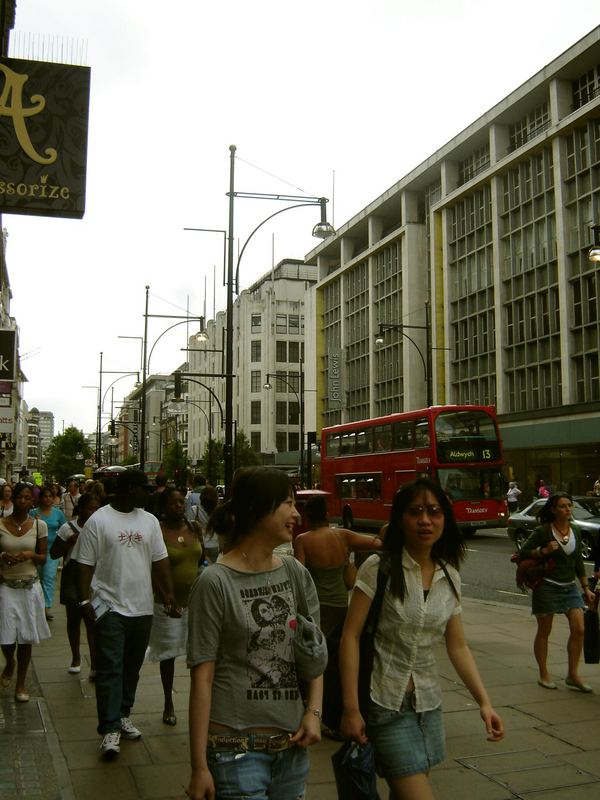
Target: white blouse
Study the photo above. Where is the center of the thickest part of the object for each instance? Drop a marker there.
(407, 632)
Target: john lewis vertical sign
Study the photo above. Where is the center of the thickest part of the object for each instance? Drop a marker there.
(43, 138)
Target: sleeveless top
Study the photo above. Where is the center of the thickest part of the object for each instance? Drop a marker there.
(184, 568)
(330, 585)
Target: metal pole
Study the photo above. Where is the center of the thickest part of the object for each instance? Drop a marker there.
(142, 442)
(301, 423)
(228, 447)
(99, 420)
(428, 356)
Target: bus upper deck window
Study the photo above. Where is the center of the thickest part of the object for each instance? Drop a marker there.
(422, 433)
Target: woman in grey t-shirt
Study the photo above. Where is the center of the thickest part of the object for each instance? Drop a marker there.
(249, 728)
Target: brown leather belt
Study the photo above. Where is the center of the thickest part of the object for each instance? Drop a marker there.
(258, 742)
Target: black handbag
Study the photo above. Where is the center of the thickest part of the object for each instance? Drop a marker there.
(332, 688)
(591, 637)
(354, 770)
(69, 594)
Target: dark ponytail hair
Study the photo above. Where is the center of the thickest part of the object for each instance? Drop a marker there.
(255, 492)
(546, 514)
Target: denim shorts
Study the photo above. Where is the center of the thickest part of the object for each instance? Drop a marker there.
(405, 742)
(548, 598)
(240, 774)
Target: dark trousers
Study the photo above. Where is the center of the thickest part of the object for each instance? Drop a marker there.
(121, 644)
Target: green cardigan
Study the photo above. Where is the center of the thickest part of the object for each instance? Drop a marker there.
(567, 567)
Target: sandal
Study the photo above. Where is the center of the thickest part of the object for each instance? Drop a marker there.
(169, 719)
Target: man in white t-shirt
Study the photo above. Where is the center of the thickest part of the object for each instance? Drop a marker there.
(120, 552)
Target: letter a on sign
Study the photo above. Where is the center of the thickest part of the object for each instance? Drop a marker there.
(8, 341)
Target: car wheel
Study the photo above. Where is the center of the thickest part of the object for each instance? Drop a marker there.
(586, 546)
(347, 519)
(521, 537)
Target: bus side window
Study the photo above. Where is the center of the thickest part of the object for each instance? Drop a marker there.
(422, 433)
(333, 445)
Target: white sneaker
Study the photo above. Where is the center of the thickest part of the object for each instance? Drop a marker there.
(110, 745)
(128, 729)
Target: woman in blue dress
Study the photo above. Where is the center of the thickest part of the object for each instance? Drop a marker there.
(54, 518)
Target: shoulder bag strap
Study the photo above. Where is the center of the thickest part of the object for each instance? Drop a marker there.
(375, 609)
(449, 579)
(73, 528)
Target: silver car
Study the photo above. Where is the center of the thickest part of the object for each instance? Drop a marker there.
(586, 518)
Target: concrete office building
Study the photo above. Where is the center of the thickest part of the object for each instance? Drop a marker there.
(268, 336)
(486, 244)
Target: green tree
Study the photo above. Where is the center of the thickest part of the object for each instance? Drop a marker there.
(212, 461)
(61, 460)
(175, 463)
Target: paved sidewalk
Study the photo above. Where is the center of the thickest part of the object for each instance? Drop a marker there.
(49, 747)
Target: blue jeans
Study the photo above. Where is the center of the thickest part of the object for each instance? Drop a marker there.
(261, 776)
(121, 644)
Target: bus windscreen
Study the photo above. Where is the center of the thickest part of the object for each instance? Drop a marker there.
(465, 436)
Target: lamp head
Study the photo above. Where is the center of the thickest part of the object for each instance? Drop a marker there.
(594, 253)
(323, 229)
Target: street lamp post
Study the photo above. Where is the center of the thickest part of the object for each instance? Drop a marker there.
(426, 360)
(321, 230)
(146, 362)
(300, 399)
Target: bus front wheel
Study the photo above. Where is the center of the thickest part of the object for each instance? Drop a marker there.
(347, 519)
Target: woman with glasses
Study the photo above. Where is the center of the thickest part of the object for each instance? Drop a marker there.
(422, 551)
(560, 592)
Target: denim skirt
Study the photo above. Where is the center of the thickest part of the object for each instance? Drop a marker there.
(405, 742)
(548, 598)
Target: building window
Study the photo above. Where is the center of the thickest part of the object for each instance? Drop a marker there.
(294, 352)
(255, 442)
(281, 323)
(255, 323)
(281, 351)
(255, 383)
(293, 441)
(281, 441)
(281, 412)
(255, 412)
(255, 350)
(294, 323)
(293, 413)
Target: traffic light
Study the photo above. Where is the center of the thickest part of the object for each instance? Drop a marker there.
(177, 386)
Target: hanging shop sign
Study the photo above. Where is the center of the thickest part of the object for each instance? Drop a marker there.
(8, 357)
(43, 138)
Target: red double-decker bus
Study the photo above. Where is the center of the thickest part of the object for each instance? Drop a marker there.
(364, 463)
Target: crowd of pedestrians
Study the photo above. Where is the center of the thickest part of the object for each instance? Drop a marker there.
(173, 573)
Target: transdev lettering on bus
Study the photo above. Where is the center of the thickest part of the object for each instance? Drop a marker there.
(364, 463)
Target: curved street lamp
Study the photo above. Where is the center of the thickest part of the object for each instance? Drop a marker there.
(321, 230)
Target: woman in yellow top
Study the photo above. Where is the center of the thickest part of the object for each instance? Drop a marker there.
(23, 544)
(168, 638)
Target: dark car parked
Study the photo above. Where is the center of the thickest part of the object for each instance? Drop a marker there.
(586, 518)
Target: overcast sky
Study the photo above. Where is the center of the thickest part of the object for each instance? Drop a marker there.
(360, 90)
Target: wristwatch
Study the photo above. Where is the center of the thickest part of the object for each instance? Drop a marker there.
(83, 603)
(315, 711)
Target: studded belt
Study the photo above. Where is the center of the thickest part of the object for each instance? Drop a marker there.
(258, 742)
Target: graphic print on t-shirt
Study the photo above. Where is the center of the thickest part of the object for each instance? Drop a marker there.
(130, 538)
(270, 623)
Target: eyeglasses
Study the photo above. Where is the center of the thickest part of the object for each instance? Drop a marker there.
(433, 512)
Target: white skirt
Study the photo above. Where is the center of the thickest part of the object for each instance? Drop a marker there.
(22, 615)
(168, 637)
